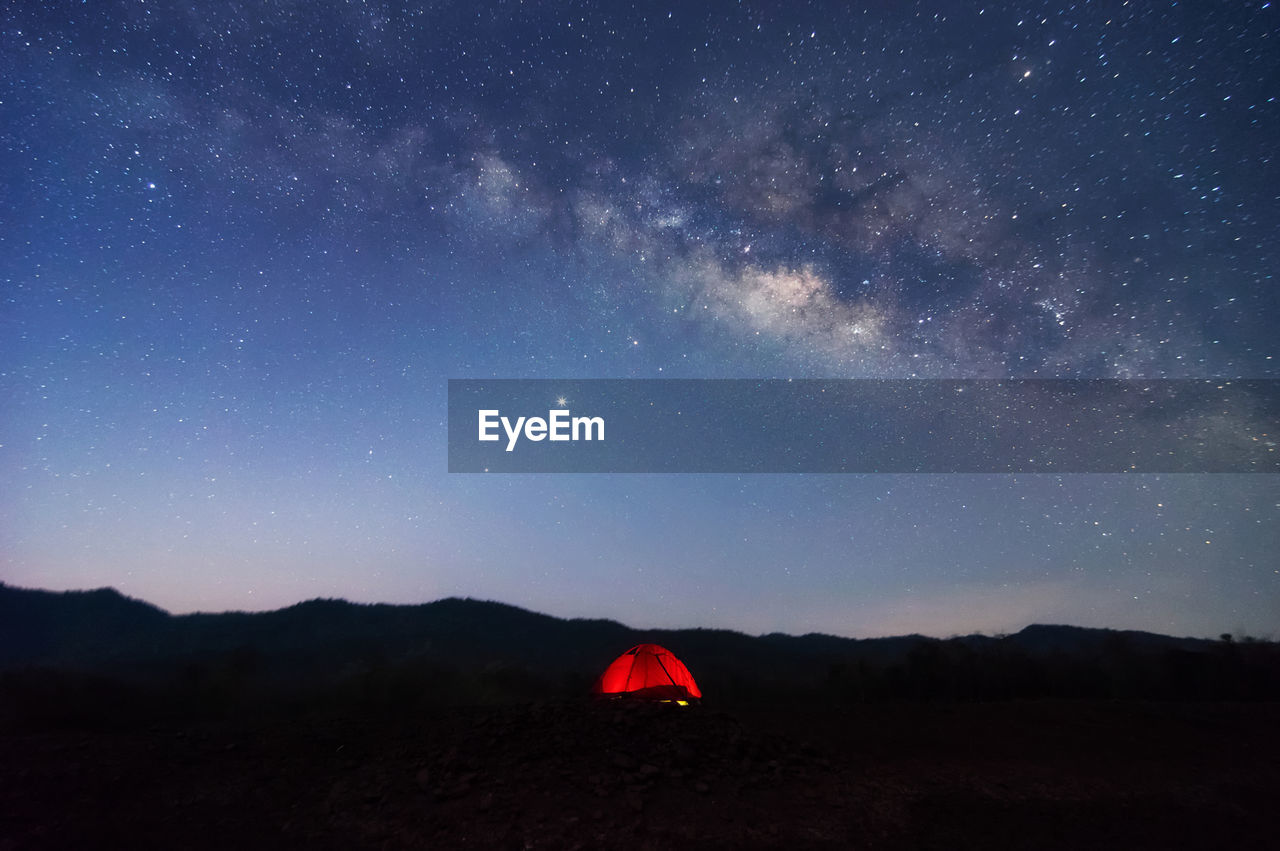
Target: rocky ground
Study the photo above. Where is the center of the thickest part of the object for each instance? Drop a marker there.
(1032, 775)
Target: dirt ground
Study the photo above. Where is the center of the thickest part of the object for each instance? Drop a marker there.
(1009, 775)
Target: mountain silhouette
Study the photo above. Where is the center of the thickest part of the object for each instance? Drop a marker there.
(459, 649)
(331, 723)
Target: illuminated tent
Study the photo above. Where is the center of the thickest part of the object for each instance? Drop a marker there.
(647, 672)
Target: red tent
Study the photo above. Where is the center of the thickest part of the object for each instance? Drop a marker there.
(649, 672)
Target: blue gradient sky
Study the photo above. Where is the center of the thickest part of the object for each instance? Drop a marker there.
(242, 249)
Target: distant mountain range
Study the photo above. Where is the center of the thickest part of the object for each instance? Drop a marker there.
(464, 641)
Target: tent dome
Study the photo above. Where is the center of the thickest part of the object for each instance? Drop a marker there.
(648, 672)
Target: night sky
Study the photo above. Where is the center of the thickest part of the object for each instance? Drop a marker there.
(244, 246)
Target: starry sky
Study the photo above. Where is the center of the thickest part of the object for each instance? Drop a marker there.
(244, 246)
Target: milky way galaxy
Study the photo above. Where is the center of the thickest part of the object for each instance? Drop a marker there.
(244, 246)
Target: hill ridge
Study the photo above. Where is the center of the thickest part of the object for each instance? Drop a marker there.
(489, 647)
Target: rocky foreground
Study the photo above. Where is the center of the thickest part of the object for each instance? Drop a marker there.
(1010, 775)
